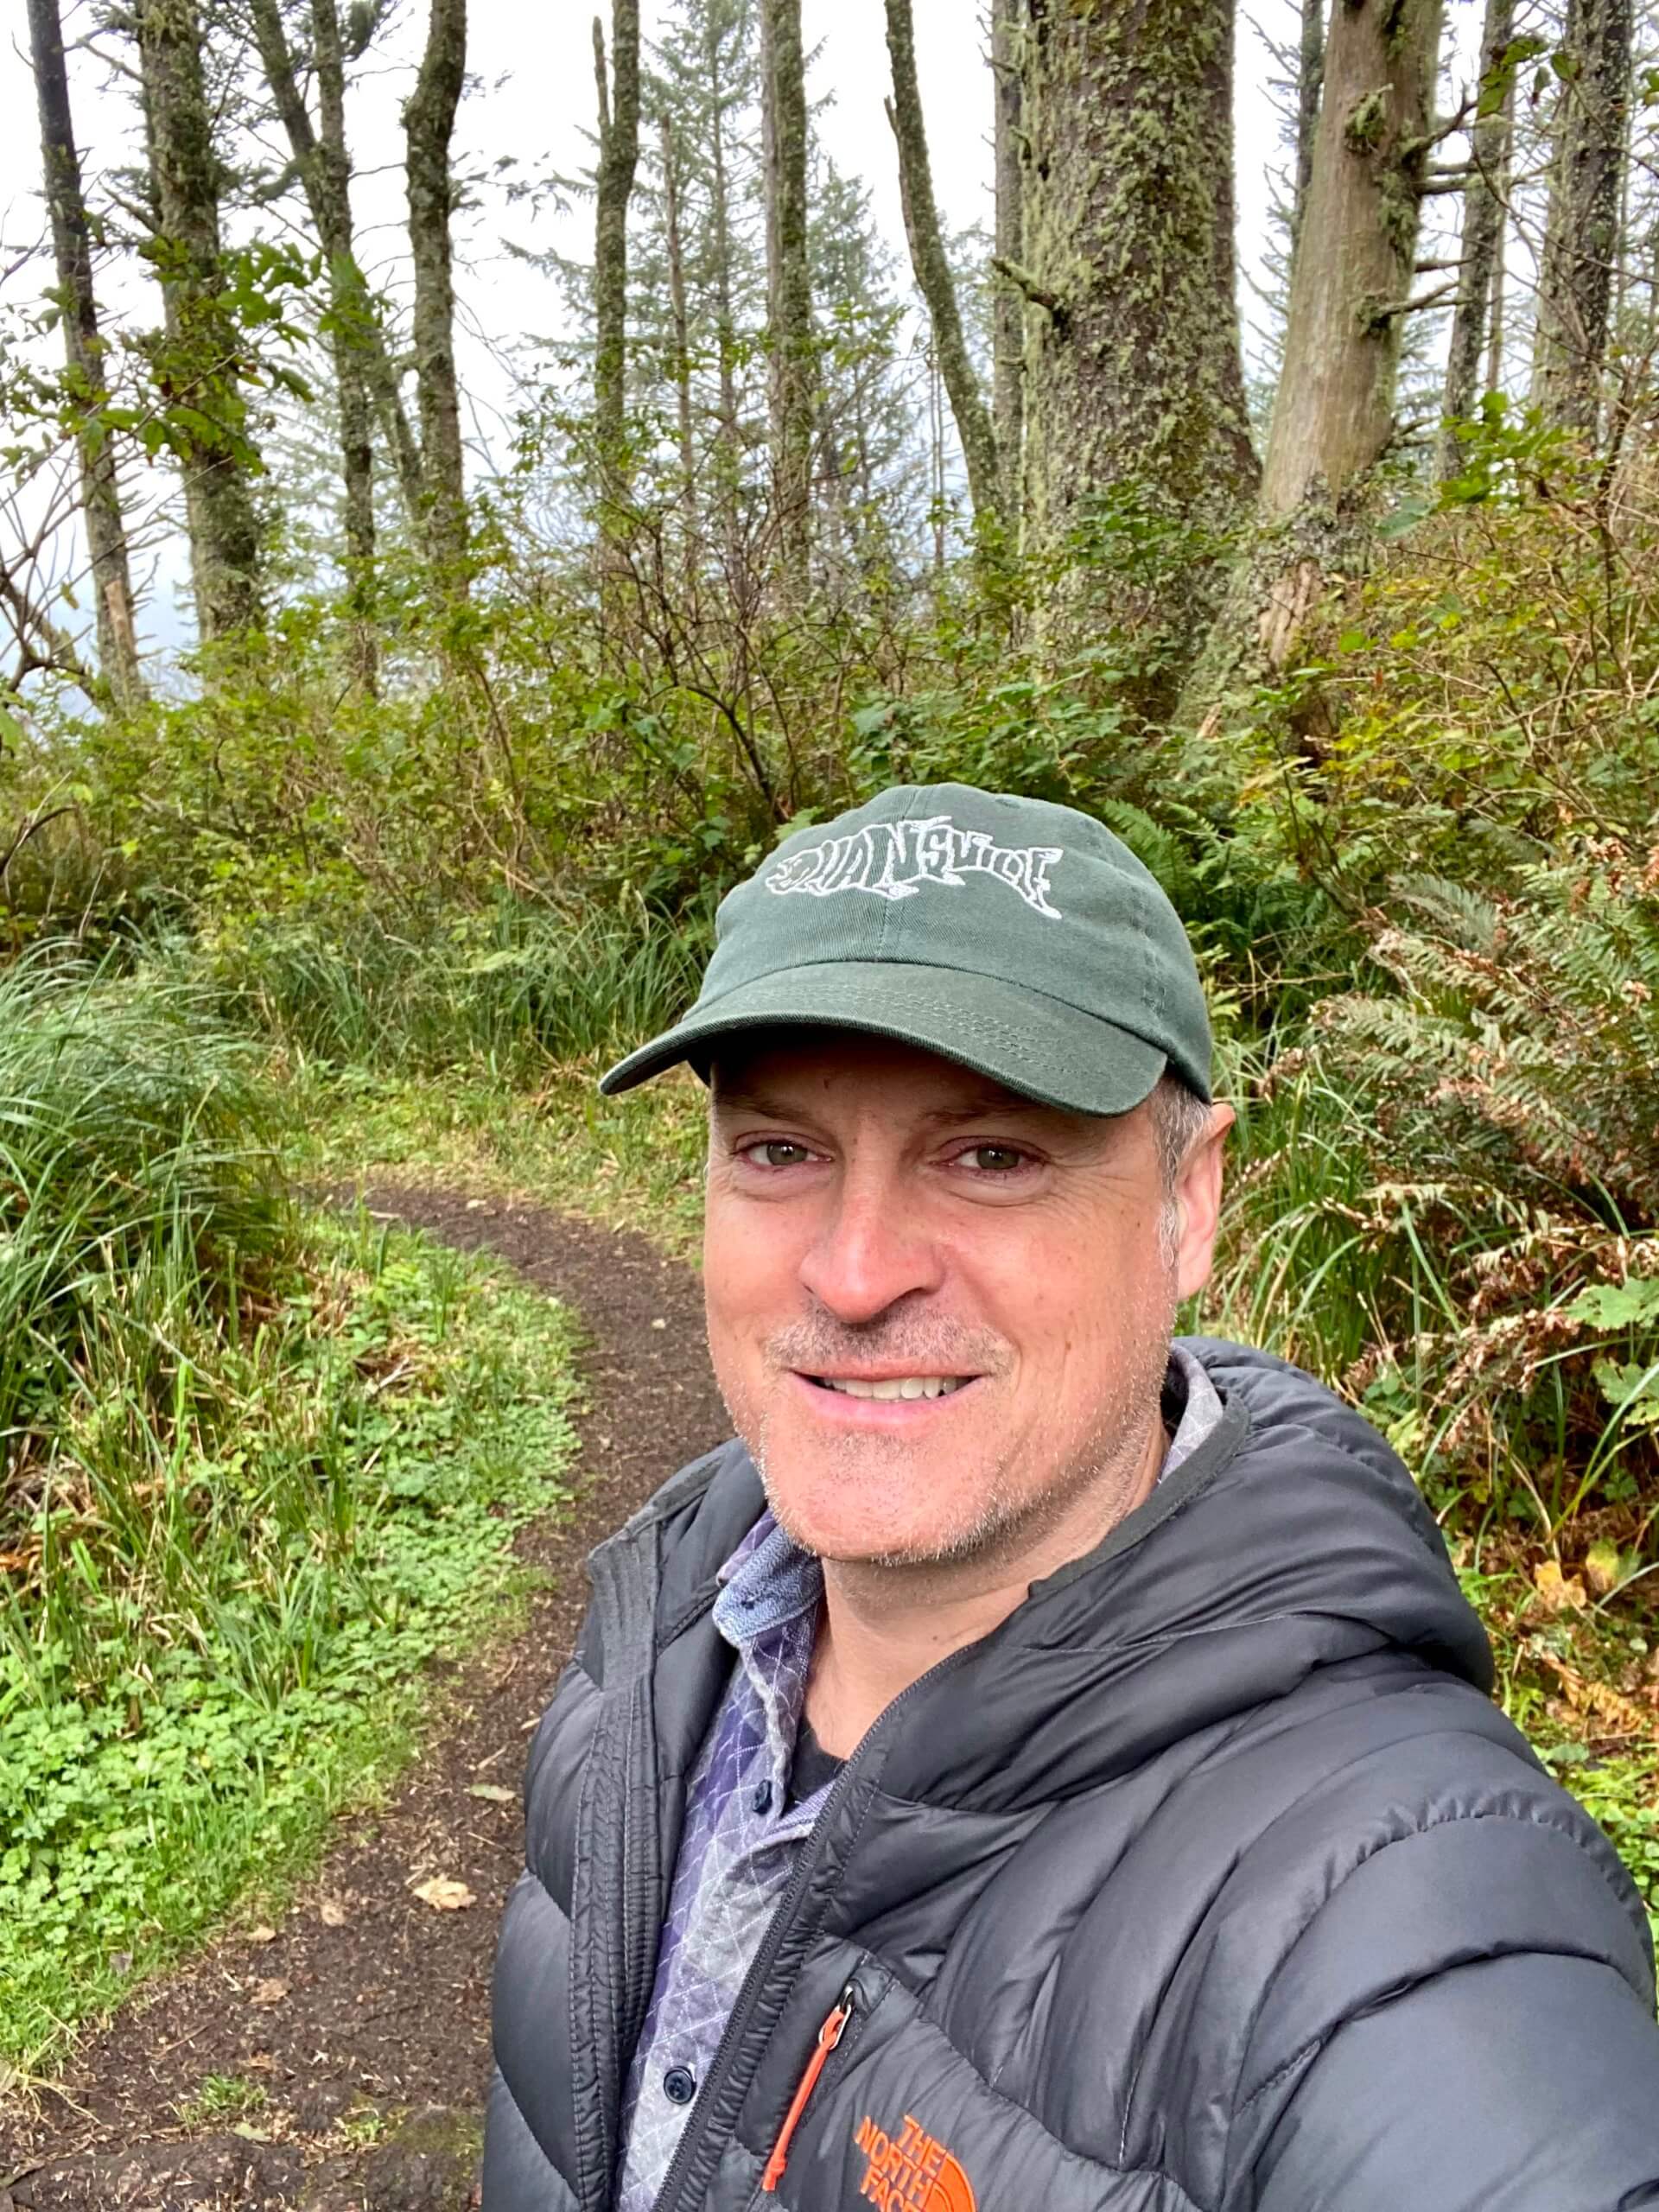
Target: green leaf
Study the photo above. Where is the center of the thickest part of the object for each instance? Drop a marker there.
(1618, 1305)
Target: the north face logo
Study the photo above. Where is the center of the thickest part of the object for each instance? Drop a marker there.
(910, 2171)
(898, 859)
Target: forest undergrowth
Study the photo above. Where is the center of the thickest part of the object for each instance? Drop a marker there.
(262, 1464)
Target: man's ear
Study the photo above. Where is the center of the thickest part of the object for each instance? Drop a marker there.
(1198, 1203)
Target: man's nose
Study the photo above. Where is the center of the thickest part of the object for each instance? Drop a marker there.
(872, 1249)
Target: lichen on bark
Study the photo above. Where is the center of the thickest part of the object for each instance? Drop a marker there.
(1134, 388)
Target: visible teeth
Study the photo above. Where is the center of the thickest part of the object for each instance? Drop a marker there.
(897, 1386)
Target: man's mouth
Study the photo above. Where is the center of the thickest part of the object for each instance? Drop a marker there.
(891, 1386)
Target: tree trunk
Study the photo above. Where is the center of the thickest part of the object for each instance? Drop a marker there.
(1582, 228)
(203, 347)
(319, 172)
(680, 316)
(720, 229)
(100, 491)
(1334, 413)
(1484, 200)
(789, 288)
(1134, 389)
(1007, 324)
(1310, 86)
(352, 315)
(933, 278)
(429, 123)
(618, 154)
(1496, 329)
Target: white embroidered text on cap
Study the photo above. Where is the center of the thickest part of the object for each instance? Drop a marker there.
(898, 859)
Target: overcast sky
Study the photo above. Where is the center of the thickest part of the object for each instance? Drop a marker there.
(530, 96)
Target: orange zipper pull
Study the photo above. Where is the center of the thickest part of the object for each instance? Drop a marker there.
(829, 2036)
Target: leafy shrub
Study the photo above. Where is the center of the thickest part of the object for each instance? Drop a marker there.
(1488, 691)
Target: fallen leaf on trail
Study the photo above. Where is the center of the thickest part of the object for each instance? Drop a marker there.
(1554, 1592)
(250, 2133)
(262, 1935)
(332, 1913)
(444, 1895)
(1602, 1567)
(269, 1992)
(497, 1794)
(1618, 1715)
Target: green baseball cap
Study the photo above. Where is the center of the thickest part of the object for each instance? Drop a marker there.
(1018, 938)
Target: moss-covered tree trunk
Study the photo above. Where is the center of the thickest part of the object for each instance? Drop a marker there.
(1007, 324)
(619, 156)
(1333, 414)
(932, 271)
(84, 351)
(789, 286)
(1581, 229)
(1134, 389)
(203, 354)
(1483, 198)
(429, 125)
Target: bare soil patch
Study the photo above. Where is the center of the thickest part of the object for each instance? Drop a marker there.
(363, 2014)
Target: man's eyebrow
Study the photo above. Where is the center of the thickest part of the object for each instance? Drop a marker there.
(747, 1098)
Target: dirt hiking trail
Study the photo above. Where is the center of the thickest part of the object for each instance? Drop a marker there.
(364, 2015)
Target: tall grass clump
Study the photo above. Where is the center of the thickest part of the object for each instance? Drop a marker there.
(138, 1183)
(515, 988)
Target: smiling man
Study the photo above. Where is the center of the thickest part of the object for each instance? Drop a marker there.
(1038, 1763)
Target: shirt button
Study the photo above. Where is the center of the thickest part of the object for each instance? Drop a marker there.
(762, 1799)
(679, 2085)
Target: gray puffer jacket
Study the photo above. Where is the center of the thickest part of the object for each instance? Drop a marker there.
(1212, 1880)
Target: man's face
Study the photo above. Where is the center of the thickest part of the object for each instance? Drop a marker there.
(939, 1313)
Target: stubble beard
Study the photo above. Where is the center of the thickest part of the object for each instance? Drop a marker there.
(1008, 1517)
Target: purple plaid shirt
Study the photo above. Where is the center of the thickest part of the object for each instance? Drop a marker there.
(742, 1834)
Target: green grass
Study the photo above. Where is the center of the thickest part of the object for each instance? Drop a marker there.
(138, 1183)
(221, 2098)
(515, 989)
(634, 1162)
(188, 1692)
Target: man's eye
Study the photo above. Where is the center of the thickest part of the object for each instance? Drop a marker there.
(993, 1158)
(776, 1152)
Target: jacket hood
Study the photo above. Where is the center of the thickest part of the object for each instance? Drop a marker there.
(1292, 1541)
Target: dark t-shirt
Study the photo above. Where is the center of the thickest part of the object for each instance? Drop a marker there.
(813, 1767)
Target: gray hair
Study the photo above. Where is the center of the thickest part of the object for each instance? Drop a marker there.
(1179, 1117)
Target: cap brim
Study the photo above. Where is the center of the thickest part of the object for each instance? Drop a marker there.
(1036, 1045)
